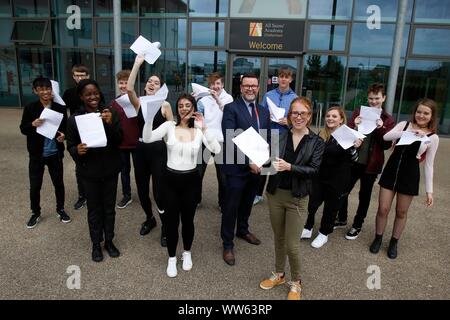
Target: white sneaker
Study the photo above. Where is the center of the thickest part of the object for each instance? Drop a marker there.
(306, 234)
(187, 260)
(172, 267)
(319, 241)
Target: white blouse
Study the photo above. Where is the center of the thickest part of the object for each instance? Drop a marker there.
(181, 155)
(430, 148)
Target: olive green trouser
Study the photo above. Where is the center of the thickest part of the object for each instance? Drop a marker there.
(286, 216)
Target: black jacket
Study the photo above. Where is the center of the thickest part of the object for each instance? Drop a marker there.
(97, 163)
(35, 141)
(305, 167)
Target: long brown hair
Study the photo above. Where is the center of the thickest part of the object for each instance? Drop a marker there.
(325, 134)
(432, 125)
(304, 101)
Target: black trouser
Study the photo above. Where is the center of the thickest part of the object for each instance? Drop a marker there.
(367, 181)
(36, 167)
(262, 184)
(80, 184)
(239, 195)
(332, 201)
(206, 155)
(182, 190)
(151, 159)
(126, 168)
(101, 203)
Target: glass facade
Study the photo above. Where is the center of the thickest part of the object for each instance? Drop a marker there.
(341, 56)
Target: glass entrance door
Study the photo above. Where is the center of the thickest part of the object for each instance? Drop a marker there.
(266, 68)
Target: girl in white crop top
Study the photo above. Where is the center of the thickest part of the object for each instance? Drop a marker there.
(182, 179)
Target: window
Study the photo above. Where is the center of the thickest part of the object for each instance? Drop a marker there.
(202, 8)
(105, 32)
(281, 9)
(163, 8)
(65, 59)
(327, 37)
(26, 8)
(5, 9)
(330, 9)
(6, 25)
(388, 9)
(29, 31)
(432, 11)
(171, 33)
(59, 8)
(208, 34)
(9, 83)
(72, 38)
(431, 42)
(377, 41)
(202, 63)
(428, 79)
(105, 8)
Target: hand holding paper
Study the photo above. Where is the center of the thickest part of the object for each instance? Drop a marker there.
(51, 124)
(199, 91)
(346, 136)
(149, 50)
(91, 130)
(253, 146)
(369, 117)
(276, 113)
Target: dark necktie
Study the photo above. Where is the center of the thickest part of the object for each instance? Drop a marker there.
(254, 117)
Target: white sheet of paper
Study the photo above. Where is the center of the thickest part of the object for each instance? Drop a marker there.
(51, 124)
(369, 117)
(91, 130)
(125, 103)
(276, 113)
(163, 92)
(200, 91)
(150, 50)
(253, 146)
(55, 90)
(213, 117)
(150, 106)
(410, 137)
(346, 136)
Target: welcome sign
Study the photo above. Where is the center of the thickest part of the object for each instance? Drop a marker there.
(268, 35)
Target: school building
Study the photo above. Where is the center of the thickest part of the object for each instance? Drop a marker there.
(336, 48)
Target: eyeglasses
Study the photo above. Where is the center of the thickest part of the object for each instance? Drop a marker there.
(303, 114)
(247, 87)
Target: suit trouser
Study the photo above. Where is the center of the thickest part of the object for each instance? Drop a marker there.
(101, 203)
(286, 219)
(367, 181)
(36, 167)
(239, 195)
(80, 184)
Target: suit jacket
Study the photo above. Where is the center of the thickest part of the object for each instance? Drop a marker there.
(35, 141)
(237, 117)
(305, 167)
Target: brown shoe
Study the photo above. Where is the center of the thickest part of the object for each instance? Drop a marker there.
(250, 238)
(228, 256)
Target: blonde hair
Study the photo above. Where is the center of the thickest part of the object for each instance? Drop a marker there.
(305, 102)
(325, 134)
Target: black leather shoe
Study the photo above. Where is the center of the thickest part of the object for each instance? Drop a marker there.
(228, 257)
(376, 244)
(147, 226)
(97, 254)
(111, 249)
(392, 250)
(250, 238)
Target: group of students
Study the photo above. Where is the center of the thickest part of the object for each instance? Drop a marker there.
(310, 169)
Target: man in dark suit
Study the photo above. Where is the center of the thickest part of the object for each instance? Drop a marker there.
(242, 177)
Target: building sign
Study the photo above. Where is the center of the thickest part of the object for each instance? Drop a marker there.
(267, 35)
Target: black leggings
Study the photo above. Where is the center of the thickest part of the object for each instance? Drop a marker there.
(182, 190)
(151, 159)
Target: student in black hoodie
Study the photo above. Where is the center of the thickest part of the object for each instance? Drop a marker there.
(44, 151)
(99, 169)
